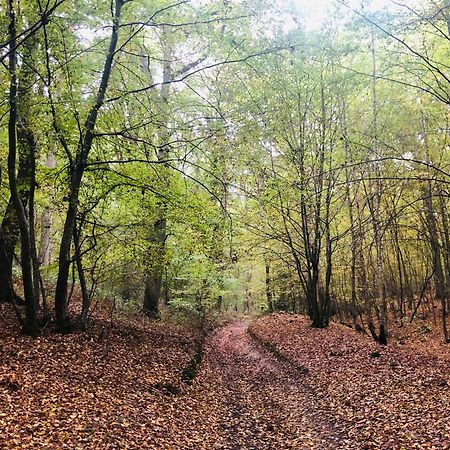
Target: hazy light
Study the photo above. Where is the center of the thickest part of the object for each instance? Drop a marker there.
(315, 12)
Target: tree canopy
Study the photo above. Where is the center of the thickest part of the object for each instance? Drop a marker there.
(222, 155)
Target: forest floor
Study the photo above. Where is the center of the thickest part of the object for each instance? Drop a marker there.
(273, 383)
(394, 397)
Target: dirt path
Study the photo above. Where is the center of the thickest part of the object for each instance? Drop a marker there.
(260, 403)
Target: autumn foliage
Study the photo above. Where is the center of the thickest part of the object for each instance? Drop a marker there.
(271, 383)
(384, 397)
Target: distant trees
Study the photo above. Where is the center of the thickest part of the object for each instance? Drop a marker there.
(346, 206)
(209, 155)
(102, 105)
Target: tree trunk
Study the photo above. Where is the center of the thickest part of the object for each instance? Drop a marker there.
(354, 246)
(156, 255)
(61, 311)
(155, 268)
(320, 301)
(82, 279)
(438, 272)
(375, 207)
(30, 323)
(9, 233)
(439, 280)
(269, 288)
(26, 147)
(45, 248)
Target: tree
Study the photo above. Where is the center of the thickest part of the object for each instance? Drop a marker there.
(24, 224)
(77, 169)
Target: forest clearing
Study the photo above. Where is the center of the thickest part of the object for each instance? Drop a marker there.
(225, 224)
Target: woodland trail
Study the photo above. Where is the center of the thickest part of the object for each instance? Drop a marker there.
(327, 389)
(263, 403)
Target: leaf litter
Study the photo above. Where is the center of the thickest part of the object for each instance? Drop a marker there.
(274, 383)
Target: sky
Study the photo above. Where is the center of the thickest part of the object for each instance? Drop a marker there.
(316, 10)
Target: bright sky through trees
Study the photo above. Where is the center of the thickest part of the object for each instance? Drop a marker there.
(316, 11)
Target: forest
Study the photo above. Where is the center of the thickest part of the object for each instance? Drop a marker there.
(225, 224)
